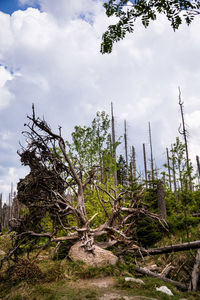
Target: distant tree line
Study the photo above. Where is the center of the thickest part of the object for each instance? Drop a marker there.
(8, 210)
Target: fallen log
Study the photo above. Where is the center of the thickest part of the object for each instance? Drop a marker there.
(196, 215)
(145, 271)
(174, 248)
(163, 250)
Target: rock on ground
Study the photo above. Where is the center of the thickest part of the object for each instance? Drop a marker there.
(136, 280)
(165, 290)
(99, 257)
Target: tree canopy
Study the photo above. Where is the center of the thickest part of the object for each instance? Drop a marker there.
(127, 12)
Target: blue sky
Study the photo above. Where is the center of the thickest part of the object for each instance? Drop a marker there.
(9, 6)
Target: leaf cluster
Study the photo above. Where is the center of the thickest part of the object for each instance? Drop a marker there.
(128, 13)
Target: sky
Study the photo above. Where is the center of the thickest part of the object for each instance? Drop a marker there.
(50, 56)
(9, 6)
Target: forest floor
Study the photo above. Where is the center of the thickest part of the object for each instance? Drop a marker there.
(106, 288)
(66, 280)
(49, 279)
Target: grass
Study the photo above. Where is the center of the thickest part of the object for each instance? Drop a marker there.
(149, 289)
(49, 291)
(64, 279)
(67, 280)
(63, 289)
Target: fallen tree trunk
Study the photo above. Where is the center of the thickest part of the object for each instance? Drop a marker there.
(145, 271)
(174, 248)
(196, 215)
(163, 250)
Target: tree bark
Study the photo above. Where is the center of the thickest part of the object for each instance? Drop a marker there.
(169, 171)
(145, 164)
(184, 133)
(174, 174)
(126, 147)
(174, 248)
(163, 250)
(161, 200)
(151, 151)
(113, 143)
(198, 165)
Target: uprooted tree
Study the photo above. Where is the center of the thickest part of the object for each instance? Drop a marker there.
(53, 199)
(65, 200)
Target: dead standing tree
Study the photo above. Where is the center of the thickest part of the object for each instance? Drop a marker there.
(113, 143)
(43, 193)
(184, 133)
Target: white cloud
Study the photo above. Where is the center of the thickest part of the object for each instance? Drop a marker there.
(32, 30)
(11, 176)
(4, 76)
(61, 69)
(65, 10)
(5, 95)
(6, 40)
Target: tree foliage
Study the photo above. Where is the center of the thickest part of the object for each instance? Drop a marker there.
(92, 146)
(128, 13)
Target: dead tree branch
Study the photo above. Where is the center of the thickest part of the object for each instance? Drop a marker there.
(145, 271)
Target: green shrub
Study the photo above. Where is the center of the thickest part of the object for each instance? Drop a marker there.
(148, 232)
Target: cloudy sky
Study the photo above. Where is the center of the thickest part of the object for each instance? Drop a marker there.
(50, 55)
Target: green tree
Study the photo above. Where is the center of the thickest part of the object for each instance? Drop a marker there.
(121, 170)
(92, 146)
(176, 12)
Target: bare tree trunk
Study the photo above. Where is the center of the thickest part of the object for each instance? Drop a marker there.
(174, 174)
(113, 143)
(100, 156)
(184, 133)
(169, 171)
(126, 149)
(195, 273)
(180, 176)
(145, 164)
(15, 207)
(5, 216)
(174, 248)
(161, 200)
(198, 165)
(9, 206)
(134, 163)
(151, 151)
(10, 202)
